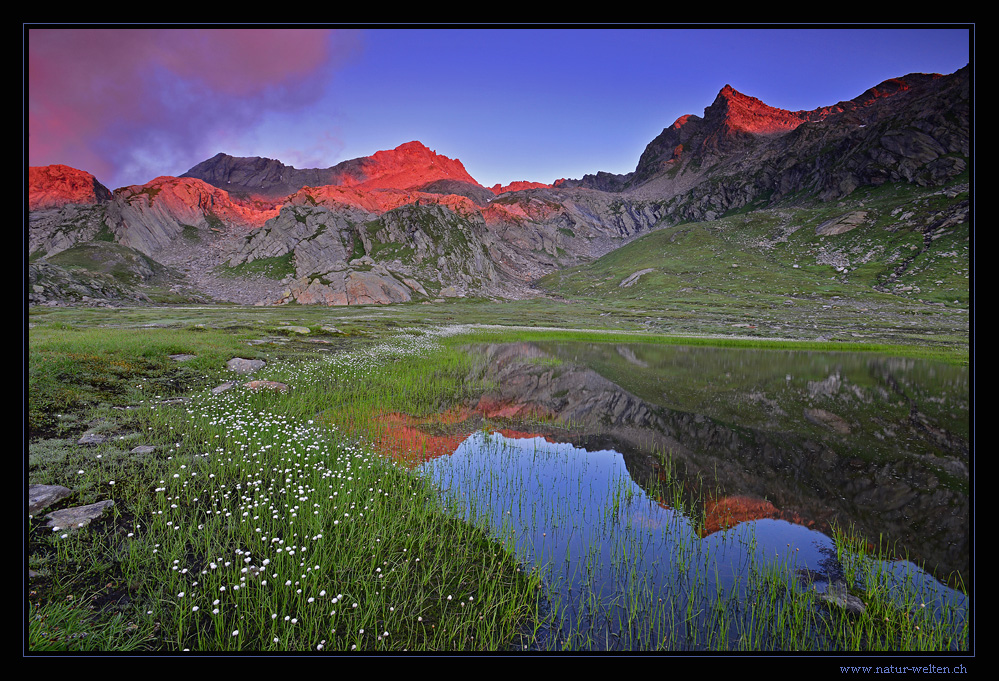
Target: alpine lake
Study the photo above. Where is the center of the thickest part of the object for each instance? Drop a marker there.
(704, 498)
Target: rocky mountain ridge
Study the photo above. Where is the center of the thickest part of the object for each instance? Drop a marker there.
(909, 129)
(409, 223)
(409, 166)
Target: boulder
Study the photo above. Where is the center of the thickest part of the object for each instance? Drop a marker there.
(245, 366)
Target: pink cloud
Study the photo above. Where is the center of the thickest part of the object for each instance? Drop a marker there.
(116, 101)
(247, 61)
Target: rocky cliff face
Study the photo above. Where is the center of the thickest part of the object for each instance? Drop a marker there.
(152, 217)
(408, 222)
(345, 255)
(909, 129)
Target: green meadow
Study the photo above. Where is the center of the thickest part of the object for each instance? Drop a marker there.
(267, 521)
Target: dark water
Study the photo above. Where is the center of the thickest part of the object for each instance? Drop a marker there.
(767, 452)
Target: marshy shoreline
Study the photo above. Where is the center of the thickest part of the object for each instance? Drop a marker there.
(260, 522)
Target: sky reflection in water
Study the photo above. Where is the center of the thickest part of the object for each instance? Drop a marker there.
(619, 561)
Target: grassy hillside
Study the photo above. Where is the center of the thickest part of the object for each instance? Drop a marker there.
(902, 270)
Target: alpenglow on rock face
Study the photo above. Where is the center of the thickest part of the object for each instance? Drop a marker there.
(409, 224)
(408, 166)
(58, 185)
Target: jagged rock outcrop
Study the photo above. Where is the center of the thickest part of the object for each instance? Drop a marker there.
(103, 273)
(321, 239)
(53, 230)
(344, 255)
(150, 217)
(66, 206)
(537, 231)
(744, 152)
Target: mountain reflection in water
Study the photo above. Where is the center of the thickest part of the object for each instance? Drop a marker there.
(879, 445)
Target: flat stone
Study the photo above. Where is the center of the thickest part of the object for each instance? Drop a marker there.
(91, 438)
(828, 419)
(267, 385)
(41, 496)
(843, 223)
(634, 277)
(223, 387)
(78, 516)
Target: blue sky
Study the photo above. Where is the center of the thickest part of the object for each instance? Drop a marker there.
(511, 103)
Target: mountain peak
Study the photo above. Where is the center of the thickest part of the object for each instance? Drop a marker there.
(55, 186)
(408, 166)
(735, 112)
(414, 146)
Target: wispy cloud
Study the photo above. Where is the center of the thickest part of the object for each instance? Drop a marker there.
(130, 104)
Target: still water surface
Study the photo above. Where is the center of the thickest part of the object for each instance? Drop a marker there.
(768, 452)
